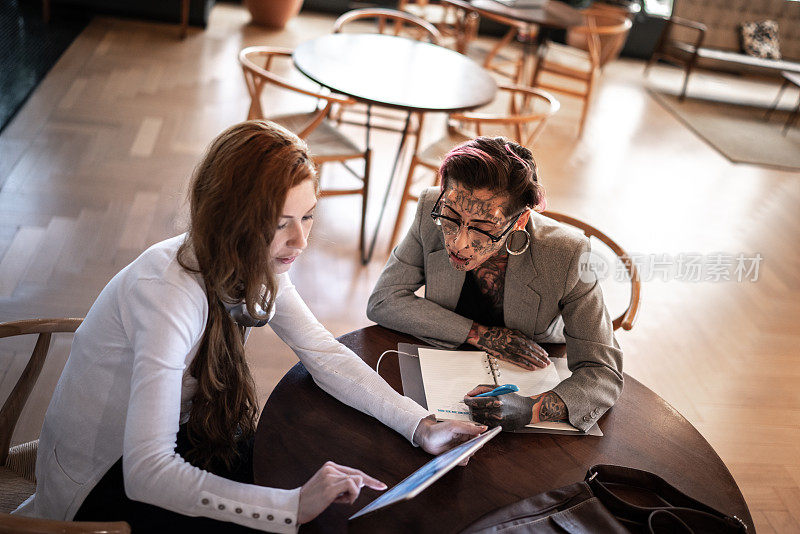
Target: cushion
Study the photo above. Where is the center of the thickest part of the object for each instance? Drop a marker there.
(760, 39)
(22, 460)
(13, 490)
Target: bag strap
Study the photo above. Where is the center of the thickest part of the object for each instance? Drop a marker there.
(689, 510)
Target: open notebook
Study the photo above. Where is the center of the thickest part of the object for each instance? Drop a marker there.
(447, 375)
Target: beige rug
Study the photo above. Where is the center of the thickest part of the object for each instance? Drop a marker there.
(738, 132)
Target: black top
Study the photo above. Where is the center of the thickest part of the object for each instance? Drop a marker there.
(476, 306)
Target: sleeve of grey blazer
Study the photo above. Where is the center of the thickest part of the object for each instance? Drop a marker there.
(593, 355)
(393, 303)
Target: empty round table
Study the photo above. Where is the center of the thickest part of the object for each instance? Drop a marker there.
(395, 72)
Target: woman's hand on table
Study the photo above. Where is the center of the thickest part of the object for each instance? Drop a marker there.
(513, 411)
(436, 437)
(332, 483)
(508, 345)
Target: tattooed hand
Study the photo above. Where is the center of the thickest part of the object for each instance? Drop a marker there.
(513, 411)
(508, 345)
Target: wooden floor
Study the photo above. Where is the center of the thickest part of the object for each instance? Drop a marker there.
(94, 169)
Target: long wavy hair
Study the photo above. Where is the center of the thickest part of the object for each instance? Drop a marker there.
(236, 198)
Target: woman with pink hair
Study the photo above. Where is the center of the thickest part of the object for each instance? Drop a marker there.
(503, 278)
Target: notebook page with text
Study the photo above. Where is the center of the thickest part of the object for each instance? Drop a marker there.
(448, 375)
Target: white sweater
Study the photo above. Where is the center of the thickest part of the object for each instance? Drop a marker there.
(125, 389)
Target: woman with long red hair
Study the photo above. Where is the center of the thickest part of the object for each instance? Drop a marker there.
(153, 418)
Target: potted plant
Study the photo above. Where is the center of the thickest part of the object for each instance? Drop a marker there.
(273, 13)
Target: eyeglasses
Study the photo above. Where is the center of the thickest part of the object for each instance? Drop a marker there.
(452, 226)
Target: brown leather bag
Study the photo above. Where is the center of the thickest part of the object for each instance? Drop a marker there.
(597, 505)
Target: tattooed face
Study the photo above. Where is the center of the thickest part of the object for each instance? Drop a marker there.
(479, 208)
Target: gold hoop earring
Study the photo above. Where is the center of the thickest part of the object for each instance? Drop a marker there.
(523, 248)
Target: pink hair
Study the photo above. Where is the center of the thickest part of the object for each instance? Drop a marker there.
(492, 163)
(465, 149)
(542, 204)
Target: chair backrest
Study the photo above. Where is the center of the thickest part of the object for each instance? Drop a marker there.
(403, 3)
(45, 328)
(526, 121)
(30, 525)
(415, 26)
(257, 63)
(603, 35)
(628, 317)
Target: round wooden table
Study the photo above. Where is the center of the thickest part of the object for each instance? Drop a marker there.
(301, 427)
(395, 72)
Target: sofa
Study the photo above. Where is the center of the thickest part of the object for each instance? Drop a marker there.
(706, 34)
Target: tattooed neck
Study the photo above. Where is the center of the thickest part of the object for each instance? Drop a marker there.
(490, 276)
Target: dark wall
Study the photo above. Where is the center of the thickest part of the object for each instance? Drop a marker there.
(167, 11)
(340, 6)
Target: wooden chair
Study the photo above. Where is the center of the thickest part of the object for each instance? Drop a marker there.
(529, 110)
(393, 22)
(453, 19)
(582, 66)
(611, 44)
(326, 142)
(628, 317)
(517, 32)
(407, 23)
(17, 465)
(14, 524)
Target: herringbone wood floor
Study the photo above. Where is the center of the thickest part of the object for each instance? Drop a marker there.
(94, 169)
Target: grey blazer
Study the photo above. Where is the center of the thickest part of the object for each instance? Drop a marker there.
(542, 287)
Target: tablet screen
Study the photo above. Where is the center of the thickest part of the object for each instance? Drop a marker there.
(427, 474)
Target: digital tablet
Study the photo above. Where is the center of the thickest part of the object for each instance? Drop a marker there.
(429, 473)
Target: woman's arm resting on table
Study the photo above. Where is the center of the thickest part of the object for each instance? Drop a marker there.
(336, 369)
(339, 372)
(513, 411)
(508, 345)
(593, 355)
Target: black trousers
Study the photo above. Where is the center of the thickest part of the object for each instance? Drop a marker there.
(108, 502)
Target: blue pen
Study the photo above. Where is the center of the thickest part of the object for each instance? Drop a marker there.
(500, 390)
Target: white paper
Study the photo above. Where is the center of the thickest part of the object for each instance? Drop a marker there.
(530, 383)
(448, 375)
